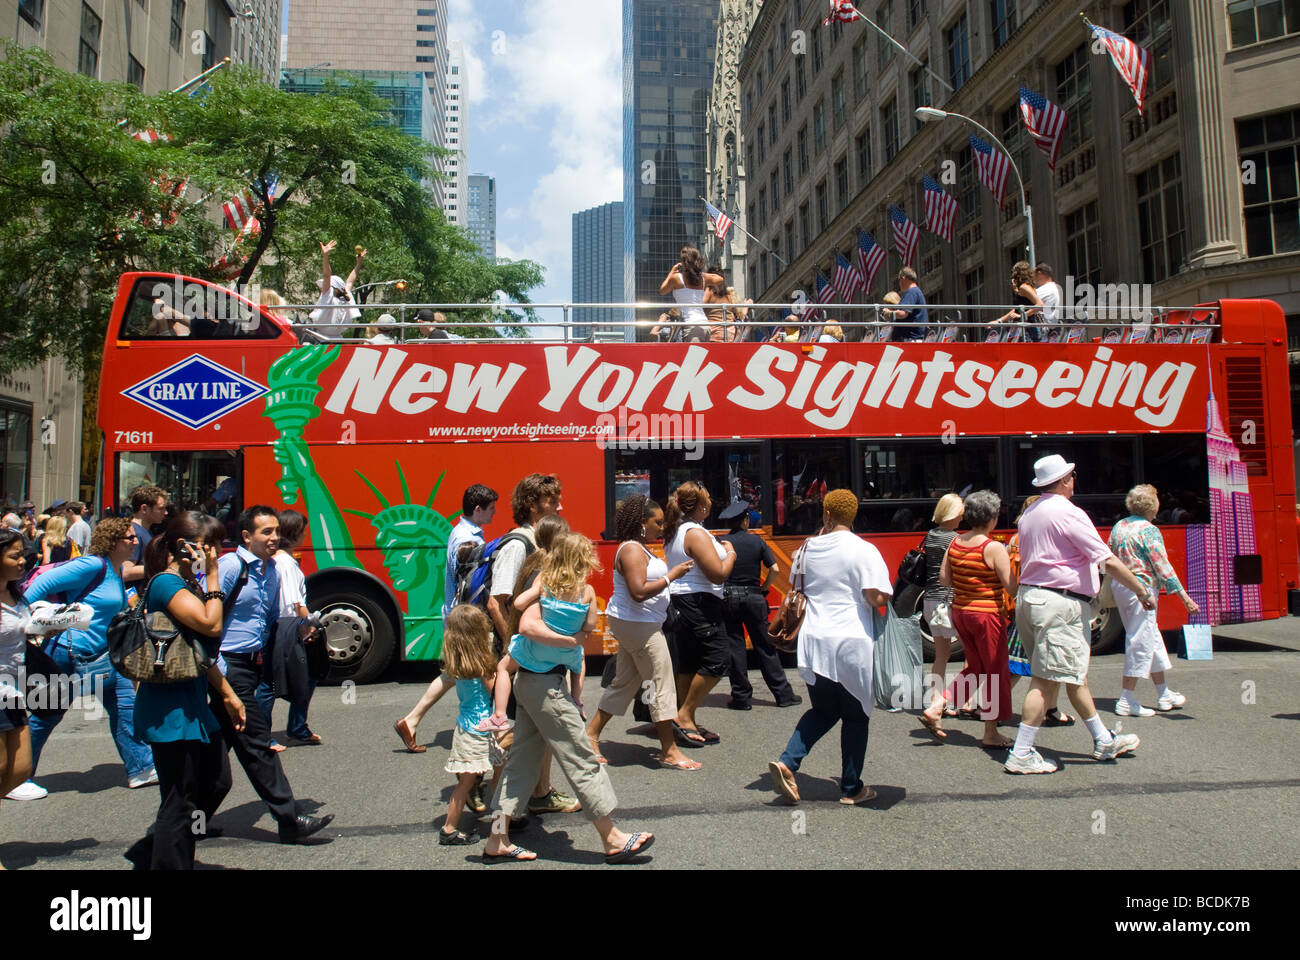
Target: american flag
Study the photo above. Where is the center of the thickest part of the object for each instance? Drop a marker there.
(847, 278)
(239, 210)
(167, 187)
(993, 167)
(940, 209)
(1046, 123)
(905, 234)
(870, 256)
(1132, 61)
(843, 11)
(721, 222)
(825, 294)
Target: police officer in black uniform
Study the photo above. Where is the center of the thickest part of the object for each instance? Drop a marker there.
(745, 597)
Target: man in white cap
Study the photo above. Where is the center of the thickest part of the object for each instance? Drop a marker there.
(1060, 552)
(335, 292)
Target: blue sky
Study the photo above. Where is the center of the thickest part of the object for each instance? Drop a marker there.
(545, 118)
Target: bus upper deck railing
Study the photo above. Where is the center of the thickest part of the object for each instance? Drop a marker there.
(809, 322)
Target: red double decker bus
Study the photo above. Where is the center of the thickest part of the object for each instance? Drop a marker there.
(375, 441)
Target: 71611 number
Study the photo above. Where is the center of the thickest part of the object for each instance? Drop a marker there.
(134, 436)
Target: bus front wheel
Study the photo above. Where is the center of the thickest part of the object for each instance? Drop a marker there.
(358, 636)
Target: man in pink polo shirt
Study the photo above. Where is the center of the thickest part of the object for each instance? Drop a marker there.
(1060, 551)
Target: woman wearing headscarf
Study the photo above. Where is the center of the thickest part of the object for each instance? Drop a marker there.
(844, 577)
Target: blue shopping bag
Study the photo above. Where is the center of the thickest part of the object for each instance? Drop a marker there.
(1196, 642)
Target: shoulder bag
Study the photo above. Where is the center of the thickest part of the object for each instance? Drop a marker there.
(784, 628)
(152, 648)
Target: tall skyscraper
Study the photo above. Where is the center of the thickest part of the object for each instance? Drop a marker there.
(598, 269)
(256, 39)
(456, 136)
(481, 223)
(396, 35)
(668, 54)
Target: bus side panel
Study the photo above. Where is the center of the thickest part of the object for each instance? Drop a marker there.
(374, 507)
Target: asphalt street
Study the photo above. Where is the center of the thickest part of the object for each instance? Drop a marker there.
(1211, 786)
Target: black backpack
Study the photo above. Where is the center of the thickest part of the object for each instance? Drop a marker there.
(474, 568)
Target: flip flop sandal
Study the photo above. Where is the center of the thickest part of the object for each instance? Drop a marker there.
(456, 839)
(515, 852)
(630, 849)
(933, 727)
(681, 735)
(710, 738)
(1055, 718)
(681, 765)
(786, 787)
(965, 714)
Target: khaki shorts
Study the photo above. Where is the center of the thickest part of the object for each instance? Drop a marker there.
(1056, 632)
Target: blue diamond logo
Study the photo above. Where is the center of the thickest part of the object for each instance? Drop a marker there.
(195, 391)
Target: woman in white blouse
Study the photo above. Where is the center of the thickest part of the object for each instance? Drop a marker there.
(15, 737)
(843, 578)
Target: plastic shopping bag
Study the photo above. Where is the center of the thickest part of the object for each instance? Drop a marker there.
(1196, 640)
(898, 672)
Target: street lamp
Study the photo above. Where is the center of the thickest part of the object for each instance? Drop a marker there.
(926, 114)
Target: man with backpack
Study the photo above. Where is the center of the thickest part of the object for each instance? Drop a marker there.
(478, 508)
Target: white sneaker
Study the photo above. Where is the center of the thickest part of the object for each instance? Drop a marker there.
(1119, 743)
(31, 790)
(1169, 701)
(144, 778)
(1034, 763)
(1122, 709)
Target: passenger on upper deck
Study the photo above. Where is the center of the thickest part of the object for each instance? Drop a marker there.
(919, 317)
(1049, 291)
(1024, 294)
(687, 281)
(335, 292)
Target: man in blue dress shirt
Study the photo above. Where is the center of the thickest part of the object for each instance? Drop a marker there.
(248, 621)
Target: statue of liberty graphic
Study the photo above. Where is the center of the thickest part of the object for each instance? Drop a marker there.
(412, 537)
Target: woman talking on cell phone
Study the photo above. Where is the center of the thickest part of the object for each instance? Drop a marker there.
(687, 282)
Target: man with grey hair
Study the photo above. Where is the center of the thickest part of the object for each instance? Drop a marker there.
(911, 296)
(1060, 552)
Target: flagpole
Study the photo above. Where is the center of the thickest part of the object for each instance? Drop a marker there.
(189, 83)
(907, 53)
(735, 224)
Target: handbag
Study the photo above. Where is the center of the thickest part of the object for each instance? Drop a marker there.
(784, 628)
(151, 648)
(1106, 596)
(47, 687)
(913, 568)
(942, 616)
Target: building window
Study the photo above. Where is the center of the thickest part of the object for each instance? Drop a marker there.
(837, 100)
(760, 145)
(1271, 145)
(771, 124)
(974, 282)
(427, 60)
(178, 24)
(889, 128)
(885, 20)
(969, 189)
(426, 43)
(785, 101)
(823, 207)
(860, 69)
(817, 59)
(819, 127)
(1146, 23)
(88, 47)
(762, 207)
(1083, 244)
(862, 145)
(428, 28)
(789, 239)
(805, 226)
(771, 59)
(842, 183)
(776, 195)
(33, 11)
(134, 72)
(1002, 13)
(209, 59)
(957, 40)
(915, 11)
(787, 165)
(15, 448)
(800, 85)
(1254, 20)
(1160, 219)
(1074, 96)
(920, 93)
(1011, 128)
(802, 141)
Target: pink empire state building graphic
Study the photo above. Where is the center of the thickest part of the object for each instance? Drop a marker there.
(1231, 532)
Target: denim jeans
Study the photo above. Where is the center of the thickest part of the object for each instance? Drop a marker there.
(118, 696)
(832, 704)
(297, 725)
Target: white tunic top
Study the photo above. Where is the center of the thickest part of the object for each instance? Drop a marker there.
(623, 606)
(691, 303)
(695, 581)
(13, 655)
(837, 640)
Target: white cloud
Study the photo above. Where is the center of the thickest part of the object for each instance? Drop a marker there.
(465, 27)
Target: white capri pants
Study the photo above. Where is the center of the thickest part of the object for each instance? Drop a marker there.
(1144, 647)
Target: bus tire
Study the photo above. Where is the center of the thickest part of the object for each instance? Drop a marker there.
(359, 636)
(1107, 631)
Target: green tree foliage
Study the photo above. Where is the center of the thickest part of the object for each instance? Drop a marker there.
(84, 201)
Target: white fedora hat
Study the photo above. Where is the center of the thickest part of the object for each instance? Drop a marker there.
(1051, 469)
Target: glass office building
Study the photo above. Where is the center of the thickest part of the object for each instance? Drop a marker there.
(598, 270)
(668, 52)
(412, 107)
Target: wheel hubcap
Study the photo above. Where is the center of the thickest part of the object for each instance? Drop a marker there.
(348, 634)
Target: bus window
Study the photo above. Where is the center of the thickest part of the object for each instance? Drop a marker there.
(902, 480)
(803, 472)
(1177, 465)
(204, 480)
(1106, 466)
(164, 308)
(729, 471)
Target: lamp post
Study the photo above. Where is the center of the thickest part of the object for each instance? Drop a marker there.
(926, 114)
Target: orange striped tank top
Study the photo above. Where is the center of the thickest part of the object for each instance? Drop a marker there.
(975, 584)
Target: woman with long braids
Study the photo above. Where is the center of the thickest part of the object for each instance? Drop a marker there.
(687, 281)
(699, 631)
(636, 613)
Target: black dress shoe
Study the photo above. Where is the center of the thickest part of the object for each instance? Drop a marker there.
(302, 827)
(794, 701)
(739, 705)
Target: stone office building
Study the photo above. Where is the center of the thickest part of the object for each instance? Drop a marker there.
(1137, 198)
